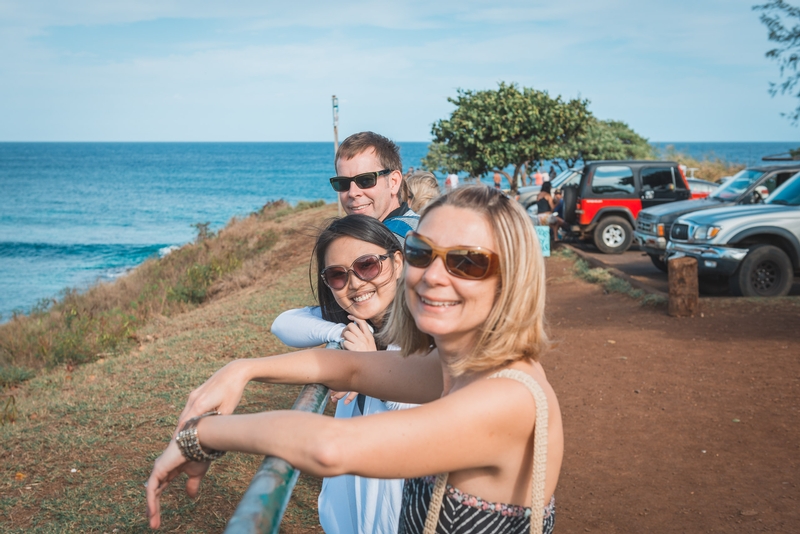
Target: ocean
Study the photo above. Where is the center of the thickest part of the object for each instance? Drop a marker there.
(72, 214)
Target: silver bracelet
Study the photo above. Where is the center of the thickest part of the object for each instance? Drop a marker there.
(189, 445)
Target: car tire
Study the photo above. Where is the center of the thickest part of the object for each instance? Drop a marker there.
(613, 235)
(570, 200)
(659, 262)
(766, 271)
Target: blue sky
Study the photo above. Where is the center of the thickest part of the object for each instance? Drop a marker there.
(173, 70)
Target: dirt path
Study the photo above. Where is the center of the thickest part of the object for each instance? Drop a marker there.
(675, 425)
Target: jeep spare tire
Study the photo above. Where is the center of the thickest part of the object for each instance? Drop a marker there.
(570, 199)
(613, 235)
(766, 271)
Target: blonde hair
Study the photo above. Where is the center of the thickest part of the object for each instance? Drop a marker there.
(514, 328)
(419, 189)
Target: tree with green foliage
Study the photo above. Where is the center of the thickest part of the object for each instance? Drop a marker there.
(787, 53)
(438, 159)
(493, 129)
(604, 140)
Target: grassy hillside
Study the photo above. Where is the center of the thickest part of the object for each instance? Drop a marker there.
(88, 425)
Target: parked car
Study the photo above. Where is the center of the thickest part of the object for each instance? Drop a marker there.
(603, 205)
(751, 185)
(701, 188)
(526, 195)
(755, 247)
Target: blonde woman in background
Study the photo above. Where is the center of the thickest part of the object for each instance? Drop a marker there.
(420, 188)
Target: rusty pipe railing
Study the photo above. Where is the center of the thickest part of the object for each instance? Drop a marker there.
(264, 503)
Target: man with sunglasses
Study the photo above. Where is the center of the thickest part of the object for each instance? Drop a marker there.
(369, 177)
(368, 181)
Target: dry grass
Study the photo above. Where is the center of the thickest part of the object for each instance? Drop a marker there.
(80, 327)
(710, 168)
(85, 436)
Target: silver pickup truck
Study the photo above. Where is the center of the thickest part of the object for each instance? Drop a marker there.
(749, 186)
(756, 247)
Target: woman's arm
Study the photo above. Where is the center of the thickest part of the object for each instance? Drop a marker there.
(383, 375)
(456, 432)
(305, 327)
(486, 425)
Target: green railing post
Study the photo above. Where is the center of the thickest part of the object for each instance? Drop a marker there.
(263, 504)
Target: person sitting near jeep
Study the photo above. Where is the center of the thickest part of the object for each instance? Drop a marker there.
(544, 203)
(557, 217)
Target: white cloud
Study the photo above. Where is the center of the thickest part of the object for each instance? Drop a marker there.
(393, 64)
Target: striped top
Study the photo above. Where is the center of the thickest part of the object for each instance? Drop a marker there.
(465, 514)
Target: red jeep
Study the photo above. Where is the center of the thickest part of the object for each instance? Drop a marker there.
(610, 194)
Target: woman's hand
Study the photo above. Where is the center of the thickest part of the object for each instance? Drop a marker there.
(170, 464)
(348, 396)
(222, 392)
(358, 336)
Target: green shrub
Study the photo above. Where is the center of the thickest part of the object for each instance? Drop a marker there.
(10, 375)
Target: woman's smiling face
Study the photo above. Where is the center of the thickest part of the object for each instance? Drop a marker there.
(450, 309)
(364, 300)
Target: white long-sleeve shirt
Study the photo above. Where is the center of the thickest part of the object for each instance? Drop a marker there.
(305, 327)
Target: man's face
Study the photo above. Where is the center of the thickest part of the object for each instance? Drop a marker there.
(378, 201)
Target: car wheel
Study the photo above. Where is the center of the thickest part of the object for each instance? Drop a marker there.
(766, 271)
(659, 262)
(613, 235)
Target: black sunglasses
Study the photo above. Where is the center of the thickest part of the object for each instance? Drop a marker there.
(363, 181)
(471, 263)
(366, 267)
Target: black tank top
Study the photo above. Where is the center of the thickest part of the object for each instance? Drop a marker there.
(543, 205)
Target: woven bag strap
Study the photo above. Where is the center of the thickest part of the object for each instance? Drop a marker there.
(435, 505)
(539, 444)
(539, 459)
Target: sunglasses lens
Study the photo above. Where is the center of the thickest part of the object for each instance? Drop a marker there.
(340, 184)
(367, 268)
(463, 263)
(365, 181)
(468, 263)
(418, 254)
(335, 277)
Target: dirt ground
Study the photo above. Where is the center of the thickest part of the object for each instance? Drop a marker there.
(674, 424)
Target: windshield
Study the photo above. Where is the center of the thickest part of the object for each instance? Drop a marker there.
(788, 194)
(564, 177)
(738, 184)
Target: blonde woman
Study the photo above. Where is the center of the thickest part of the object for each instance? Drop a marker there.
(420, 188)
(469, 318)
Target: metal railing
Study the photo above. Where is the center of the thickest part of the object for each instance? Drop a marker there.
(263, 504)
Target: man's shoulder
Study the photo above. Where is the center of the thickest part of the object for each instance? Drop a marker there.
(400, 225)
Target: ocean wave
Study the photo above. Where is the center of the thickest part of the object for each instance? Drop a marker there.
(115, 253)
(166, 250)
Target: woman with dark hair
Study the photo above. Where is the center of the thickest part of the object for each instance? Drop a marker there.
(357, 262)
(332, 320)
(483, 452)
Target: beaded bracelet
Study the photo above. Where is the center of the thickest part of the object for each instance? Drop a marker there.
(189, 445)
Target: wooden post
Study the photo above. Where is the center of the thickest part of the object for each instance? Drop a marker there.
(683, 287)
(335, 102)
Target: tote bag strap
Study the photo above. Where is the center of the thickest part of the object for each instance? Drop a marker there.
(539, 459)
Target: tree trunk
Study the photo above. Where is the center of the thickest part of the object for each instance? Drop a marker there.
(524, 173)
(683, 287)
